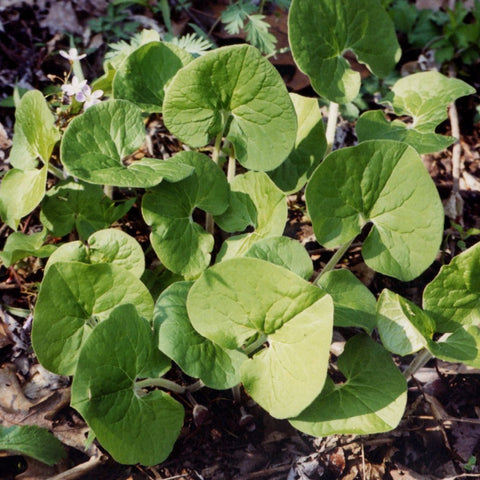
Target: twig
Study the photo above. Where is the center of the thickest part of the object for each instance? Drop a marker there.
(263, 473)
(80, 470)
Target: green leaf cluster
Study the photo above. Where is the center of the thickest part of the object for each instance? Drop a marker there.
(227, 297)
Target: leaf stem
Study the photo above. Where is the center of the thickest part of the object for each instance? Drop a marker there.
(108, 190)
(231, 170)
(56, 171)
(331, 130)
(209, 223)
(417, 363)
(256, 344)
(168, 385)
(334, 260)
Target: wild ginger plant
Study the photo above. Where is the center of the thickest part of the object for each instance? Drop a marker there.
(249, 315)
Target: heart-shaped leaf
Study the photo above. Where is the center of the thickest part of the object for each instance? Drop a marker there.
(196, 355)
(20, 245)
(32, 441)
(119, 351)
(355, 305)
(283, 251)
(73, 299)
(105, 246)
(237, 92)
(461, 280)
(81, 206)
(243, 298)
(386, 183)
(372, 400)
(310, 146)
(182, 245)
(422, 96)
(145, 73)
(96, 144)
(20, 193)
(35, 132)
(321, 31)
(254, 201)
(405, 328)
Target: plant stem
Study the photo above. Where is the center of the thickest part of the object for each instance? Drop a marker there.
(209, 223)
(231, 170)
(418, 362)
(334, 260)
(108, 190)
(56, 171)
(331, 130)
(168, 385)
(255, 345)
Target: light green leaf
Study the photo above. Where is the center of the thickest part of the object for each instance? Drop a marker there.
(96, 145)
(20, 193)
(239, 299)
(403, 327)
(424, 97)
(460, 279)
(236, 92)
(254, 201)
(20, 245)
(372, 400)
(134, 426)
(196, 355)
(310, 146)
(35, 132)
(104, 246)
(146, 72)
(283, 251)
(355, 305)
(81, 206)
(321, 31)
(182, 245)
(383, 182)
(73, 298)
(32, 441)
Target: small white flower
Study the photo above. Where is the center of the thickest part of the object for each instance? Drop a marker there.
(72, 55)
(90, 98)
(74, 88)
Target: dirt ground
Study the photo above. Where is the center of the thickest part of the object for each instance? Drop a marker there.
(440, 432)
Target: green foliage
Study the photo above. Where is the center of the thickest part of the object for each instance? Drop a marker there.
(32, 441)
(234, 300)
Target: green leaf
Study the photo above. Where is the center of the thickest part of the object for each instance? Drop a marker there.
(96, 144)
(20, 193)
(104, 246)
(237, 300)
(73, 298)
(321, 31)
(372, 400)
(283, 251)
(258, 34)
(196, 355)
(424, 97)
(20, 245)
(310, 146)
(134, 426)
(355, 305)
(405, 328)
(181, 244)
(383, 182)
(146, 72)
(32, 441)
(254, 201)
(81, 206)
(234, 92)
(35, 132)
(460, 279)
